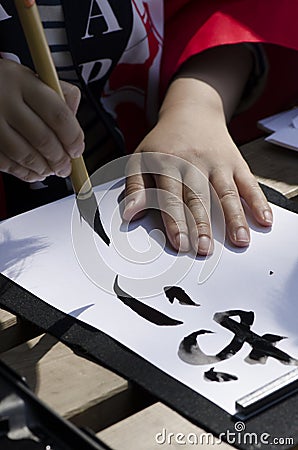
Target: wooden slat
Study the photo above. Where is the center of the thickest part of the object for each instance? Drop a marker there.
(66, 382)
(114, 409)
(150, 429)
(6, 320)
(274, 166)
(14, 331)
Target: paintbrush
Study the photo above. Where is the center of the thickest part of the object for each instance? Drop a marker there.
(45, 68)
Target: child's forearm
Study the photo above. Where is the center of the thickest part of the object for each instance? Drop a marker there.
(213, 80)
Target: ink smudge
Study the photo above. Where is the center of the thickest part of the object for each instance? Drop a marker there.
(177, 292)
(147, 312)
(219, 377)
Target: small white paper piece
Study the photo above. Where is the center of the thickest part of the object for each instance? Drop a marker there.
(285, 137)
(295, 121)
(279, 121)
(56, 256)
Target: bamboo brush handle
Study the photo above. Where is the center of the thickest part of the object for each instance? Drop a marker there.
(45, 68)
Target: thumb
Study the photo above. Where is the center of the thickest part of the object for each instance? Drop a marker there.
(72, 95)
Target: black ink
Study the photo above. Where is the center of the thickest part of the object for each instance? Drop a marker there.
(191, 340)
(190, 352)
(262, 346)
(246, 319)
(219, 377)
(177, 292)
(271, 272)
(89, 211)
(257, 355)
(143, 310)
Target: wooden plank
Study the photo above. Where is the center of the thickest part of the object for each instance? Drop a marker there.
(274, 166)
(114, 409)
(6, 319)
(151, 429)
(66, 382)
(14, 331)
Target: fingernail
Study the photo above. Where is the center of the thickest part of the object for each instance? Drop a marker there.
(242, 235)
(204, 246)
(76, 151)
(47, 173)
(268, 216)
(182, 242)
(63, 173)
(76, 155)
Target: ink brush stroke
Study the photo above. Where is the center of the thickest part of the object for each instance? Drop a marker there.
(177, 292)
(45, 68)
(143, 310)
(89, 211)
(262, 346)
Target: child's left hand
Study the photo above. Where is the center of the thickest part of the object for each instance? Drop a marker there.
(192, 126)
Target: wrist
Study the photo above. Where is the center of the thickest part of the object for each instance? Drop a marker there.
(193, 99)
(218, 75)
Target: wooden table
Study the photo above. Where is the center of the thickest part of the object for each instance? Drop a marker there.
(274, 166)
(122, 415)
(87, 394)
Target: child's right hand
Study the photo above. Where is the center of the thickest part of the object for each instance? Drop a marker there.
(39, 133)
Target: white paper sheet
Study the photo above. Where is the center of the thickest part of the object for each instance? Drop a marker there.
(53, 254)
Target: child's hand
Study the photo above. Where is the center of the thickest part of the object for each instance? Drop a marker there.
(192, 126)
(206, 145)
(39, 133)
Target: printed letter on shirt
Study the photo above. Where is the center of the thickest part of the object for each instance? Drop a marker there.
(88, 68)
(105, 12)
(3, 14)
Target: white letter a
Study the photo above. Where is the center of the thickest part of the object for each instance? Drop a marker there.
(106, 13)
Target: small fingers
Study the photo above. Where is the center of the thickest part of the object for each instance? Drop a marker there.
(29, 142)
(251, 192)
(170, 201)
(13, 168)
(197, 200)
(184, 210)
(72, 95)
(59, 118)
(16, 149)
(135, 189)
(135, 198)
(236, 224)
(169, 196)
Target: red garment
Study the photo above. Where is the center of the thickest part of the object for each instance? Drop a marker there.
(192, 26)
